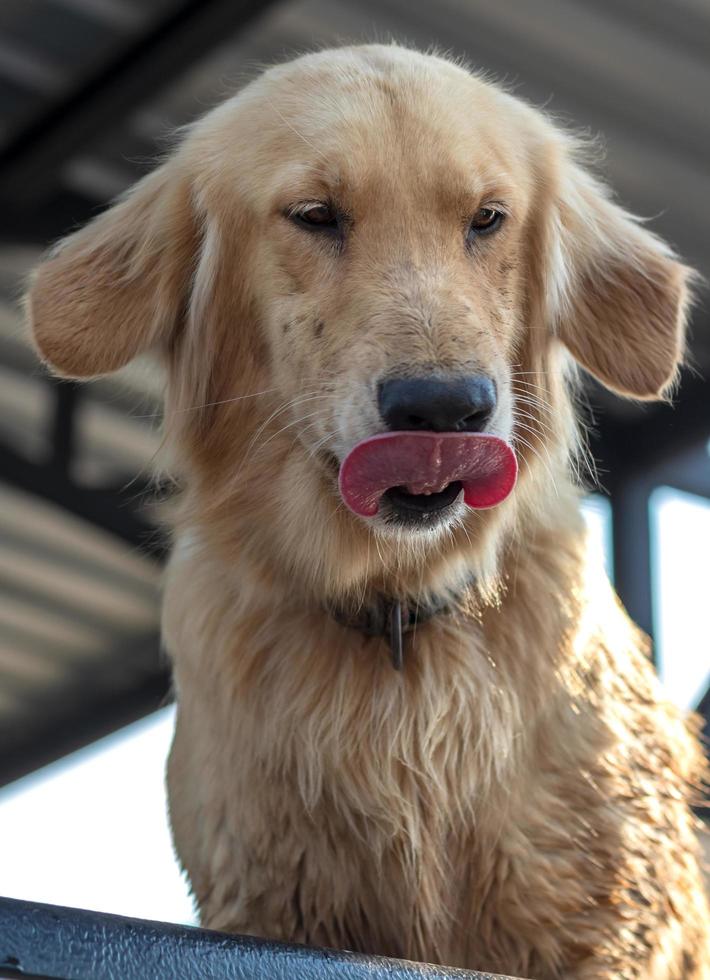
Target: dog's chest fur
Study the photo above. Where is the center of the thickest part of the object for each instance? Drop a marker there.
(457, 812)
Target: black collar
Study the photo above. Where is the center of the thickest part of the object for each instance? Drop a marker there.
(393, 618)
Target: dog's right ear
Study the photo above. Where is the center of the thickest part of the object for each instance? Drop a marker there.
(119, 286)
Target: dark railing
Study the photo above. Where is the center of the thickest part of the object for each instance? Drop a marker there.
(45, 942)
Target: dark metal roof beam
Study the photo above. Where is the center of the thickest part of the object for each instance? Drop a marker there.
(45, 222)
(646, 447)
(31, 166)
(116, 510)
(128, 683)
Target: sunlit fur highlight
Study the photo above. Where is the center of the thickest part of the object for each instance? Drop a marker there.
(518, 798)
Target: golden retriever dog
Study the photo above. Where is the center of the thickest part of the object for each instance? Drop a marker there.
(371, 276)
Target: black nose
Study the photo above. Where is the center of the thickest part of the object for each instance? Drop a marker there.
(459, 404)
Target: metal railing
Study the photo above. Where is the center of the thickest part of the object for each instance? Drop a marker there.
(46, 942)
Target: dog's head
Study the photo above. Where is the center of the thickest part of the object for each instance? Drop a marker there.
(366, 241)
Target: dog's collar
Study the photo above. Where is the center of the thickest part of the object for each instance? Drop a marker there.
(392, 618)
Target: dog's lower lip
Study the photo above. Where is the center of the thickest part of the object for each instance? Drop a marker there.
(423, 504)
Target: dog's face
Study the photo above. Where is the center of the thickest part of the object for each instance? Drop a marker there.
(390, 263)
(373, 240)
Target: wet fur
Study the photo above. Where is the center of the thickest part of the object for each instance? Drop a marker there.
(517, 799)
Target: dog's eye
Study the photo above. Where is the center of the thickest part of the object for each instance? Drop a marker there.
(316, 216)
(484, 221)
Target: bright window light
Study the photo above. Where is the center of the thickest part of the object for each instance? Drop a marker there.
(597, 513)
(91, 831)
(680, 541)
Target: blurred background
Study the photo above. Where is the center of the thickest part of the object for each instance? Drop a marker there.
(89, 91)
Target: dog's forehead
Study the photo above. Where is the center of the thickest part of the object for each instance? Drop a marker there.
(403, 124)
(395, 126)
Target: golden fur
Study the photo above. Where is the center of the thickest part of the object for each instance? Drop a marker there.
(517, 799)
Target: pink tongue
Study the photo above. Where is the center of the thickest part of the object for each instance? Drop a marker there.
(427, 462)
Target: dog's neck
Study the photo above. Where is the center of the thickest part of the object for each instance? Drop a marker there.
(393, 617)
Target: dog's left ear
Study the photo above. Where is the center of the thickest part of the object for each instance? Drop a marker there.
(621, 298)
